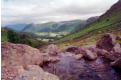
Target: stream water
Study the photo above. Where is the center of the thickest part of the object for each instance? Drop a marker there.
(70, 69)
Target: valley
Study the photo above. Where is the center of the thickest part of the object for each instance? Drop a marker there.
(66, 50)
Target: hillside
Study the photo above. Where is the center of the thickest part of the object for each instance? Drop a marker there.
(16, 27)
(109, 22)
(14, 37)
(65, 26)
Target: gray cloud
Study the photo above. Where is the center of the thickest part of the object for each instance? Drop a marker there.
(38, 11)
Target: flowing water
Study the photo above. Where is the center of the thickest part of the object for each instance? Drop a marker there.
(70, 69)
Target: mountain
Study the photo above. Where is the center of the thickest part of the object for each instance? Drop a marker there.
(109, 22)
(64, 26)
(16, 27)
(92, 19)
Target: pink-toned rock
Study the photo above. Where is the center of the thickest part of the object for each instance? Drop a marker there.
(78, 56)
(90, 55)
(7, 74)
(54, 59)
(34, 72)
(106, 42)
(72, 49)
(52, 49)
(118, 37)
(92, 48)
(66, 54)
(18, 56)
(101, 52)
(117, 63)
(117, 48)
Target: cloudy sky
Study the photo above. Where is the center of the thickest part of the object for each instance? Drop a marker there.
(39, 11)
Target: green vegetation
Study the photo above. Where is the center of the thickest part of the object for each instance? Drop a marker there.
(51, 31)
(14, 37)
(55, 27)
(46, 36)
(110, 22)
(4, 36)
(106, 22)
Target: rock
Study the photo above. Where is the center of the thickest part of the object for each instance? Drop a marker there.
(88, 47)
(19, 69)
(7, 73)
(90, 55)
(66, 54)
(114, 54)
(117, 48)
(54, 59)
(34, 72)
(89, 52)
(78, 56)
(34, 68)
(106, 42)
(118, 38)
(52, 49)
(17, 56)
(20, 55)
(117, 64)
(72, 49)
(101, 52)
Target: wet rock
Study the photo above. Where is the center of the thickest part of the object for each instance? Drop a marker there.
(54, 59)
(49, 58)
(52, 49)
(66, 54)
(106, 42)
(34, 72)
(78, 56)
(116, 63)
(90, 55)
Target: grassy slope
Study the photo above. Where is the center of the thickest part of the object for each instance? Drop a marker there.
(101, 23)
(4, 36)
(108, 23)
(26, 40)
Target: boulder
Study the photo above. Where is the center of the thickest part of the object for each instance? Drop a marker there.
(90, 55)
(117, 65)
(7, 74)
(34, 72)
(106, 42)
(52, 49)
(118, 38)
(88, 47)
(78, 56)
(54, 59)
(72, 49)
(117, 48)
(101, 52)
(66, 54)
(20, 55)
